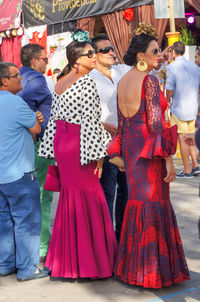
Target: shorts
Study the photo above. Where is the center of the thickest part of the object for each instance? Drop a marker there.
(183, 126)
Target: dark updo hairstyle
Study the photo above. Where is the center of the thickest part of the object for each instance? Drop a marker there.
(139, 43)
(73, 52)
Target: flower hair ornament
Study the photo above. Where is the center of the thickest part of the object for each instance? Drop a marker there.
(80, 36)
(146, 29)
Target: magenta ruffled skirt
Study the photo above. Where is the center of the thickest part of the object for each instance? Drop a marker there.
(83, 242)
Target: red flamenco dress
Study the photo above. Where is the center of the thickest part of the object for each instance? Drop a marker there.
(150, 252)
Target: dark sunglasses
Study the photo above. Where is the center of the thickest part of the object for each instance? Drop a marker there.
(155, 51)
(89, 54)
(105, 49)
(44, 59)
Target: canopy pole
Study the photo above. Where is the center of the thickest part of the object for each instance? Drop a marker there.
(171, 16)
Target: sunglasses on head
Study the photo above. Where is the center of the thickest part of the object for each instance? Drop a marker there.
(105, 49)
(89, 54)
(155, 51)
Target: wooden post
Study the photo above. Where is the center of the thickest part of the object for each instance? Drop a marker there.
(171, 15)
(172, 36)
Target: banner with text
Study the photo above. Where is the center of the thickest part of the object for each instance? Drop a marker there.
(38, 12)
(10, 12)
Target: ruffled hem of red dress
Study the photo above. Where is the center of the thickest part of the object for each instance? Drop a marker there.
(150, 251)
(179, 280)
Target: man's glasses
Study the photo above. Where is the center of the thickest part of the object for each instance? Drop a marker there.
(17, 76)
(44, 59)
(155, 51)
(105, 49)
(89, 54)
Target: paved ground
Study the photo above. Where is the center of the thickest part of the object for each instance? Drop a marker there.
(186, 202)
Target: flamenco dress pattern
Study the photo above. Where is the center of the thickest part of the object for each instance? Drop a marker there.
(150, 251)
(83, 242)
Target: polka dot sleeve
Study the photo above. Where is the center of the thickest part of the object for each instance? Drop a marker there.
(94, 138)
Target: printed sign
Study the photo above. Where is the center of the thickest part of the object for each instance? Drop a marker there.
(10, 12)
(39, 12)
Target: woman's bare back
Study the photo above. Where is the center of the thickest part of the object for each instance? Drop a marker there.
(129, 92)
(66, 82)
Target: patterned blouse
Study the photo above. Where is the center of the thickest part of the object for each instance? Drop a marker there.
(79, 104)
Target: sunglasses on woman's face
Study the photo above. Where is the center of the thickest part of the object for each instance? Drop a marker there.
(89, 54)
(105, 49)
(155, 51)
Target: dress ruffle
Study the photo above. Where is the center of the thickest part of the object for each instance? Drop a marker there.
(151, 252)
(160, 145)
(83, 242)
(94, 140)
(115, 146)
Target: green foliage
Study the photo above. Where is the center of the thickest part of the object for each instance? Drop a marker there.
(186, 36)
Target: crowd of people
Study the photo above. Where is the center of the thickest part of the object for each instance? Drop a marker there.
(99, 138)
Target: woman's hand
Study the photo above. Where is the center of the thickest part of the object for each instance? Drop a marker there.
(40, 117)
(171, 172)
(99, 168)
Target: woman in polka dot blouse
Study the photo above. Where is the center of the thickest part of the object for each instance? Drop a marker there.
(83, 242)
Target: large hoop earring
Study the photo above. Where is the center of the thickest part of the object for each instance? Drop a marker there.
(77, 68)
(142, 65)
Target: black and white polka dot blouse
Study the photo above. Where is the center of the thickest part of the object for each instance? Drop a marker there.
(79, 104)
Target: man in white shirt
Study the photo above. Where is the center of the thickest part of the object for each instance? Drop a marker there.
(107, 75)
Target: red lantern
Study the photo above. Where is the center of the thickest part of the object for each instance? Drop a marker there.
(128, 14)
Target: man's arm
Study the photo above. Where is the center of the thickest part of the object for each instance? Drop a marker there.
(169, 94)
(37, 127)
(38, 97)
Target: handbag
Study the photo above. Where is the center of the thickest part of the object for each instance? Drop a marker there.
(117, 161)
(52, 182)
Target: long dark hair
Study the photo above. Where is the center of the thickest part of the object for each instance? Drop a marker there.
(139, 43)
(73, 52)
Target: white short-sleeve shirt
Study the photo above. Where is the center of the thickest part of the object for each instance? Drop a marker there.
(107, 91)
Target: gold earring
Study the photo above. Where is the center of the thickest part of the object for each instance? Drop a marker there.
(142, 65)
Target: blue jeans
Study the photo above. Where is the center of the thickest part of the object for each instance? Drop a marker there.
(111, 177)
(20, 224)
